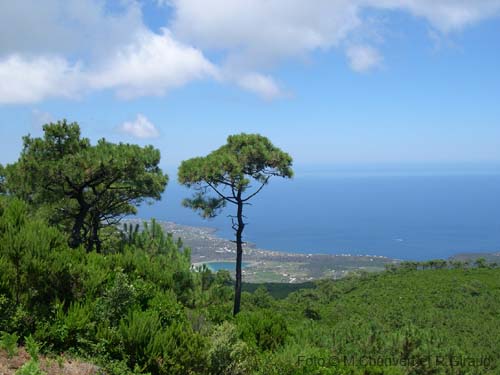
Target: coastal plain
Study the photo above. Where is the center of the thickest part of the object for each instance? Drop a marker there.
(263, 266)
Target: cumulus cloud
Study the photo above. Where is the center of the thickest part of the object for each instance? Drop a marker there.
(259, 84)
(444, 15)
(363, 58)
(264, 31)
(141, 127)
(71, 47)
(86, 28)
(260, 33)
(67, 48)
(290, 27)
(151, 65)
(27, 80)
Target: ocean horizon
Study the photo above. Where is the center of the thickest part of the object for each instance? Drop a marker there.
(404, 213)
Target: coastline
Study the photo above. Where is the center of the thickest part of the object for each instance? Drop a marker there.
(269, 265)
(280, 266)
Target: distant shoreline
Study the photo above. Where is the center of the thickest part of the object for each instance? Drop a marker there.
(175, 228)
(250, 245)
(282, 266)
(268, 265)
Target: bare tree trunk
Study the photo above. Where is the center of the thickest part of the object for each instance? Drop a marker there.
(94, 240)
(76, 232)
(239, 255)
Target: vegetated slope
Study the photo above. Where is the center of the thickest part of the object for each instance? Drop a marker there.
(138, 307)
(278, 290)
(443, 321)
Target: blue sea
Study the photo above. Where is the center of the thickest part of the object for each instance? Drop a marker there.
(401, 213)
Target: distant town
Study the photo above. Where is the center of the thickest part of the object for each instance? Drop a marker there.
(266, 265)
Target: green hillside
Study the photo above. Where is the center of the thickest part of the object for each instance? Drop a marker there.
(408, 322)
(138, 307)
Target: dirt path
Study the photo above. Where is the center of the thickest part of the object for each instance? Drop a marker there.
(9, 366)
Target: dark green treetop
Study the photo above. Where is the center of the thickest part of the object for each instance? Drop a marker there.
(231, 169)
(86, 186)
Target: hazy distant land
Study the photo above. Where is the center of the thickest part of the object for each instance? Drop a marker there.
(266, 265)
(280, 266)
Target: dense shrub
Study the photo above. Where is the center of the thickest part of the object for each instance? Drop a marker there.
(228, 354)
(71, 329)
(118, 298)
(264, 329)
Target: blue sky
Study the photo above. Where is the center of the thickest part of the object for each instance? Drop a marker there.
(331, 82)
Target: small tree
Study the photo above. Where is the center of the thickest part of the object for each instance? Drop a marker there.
(235, 173)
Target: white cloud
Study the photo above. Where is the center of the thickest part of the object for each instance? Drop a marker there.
(363, 58)
(444, 15)
(67, 48)
(257, 34)
(85, 28)
(262, 32)
(141, 127)
(259, 84)
(114, 50)
(151, 65)
(31, 80)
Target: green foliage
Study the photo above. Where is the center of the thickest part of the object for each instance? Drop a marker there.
(8, 342)
(262, 329)
(35, 270)
(142, 309)
(121, 368)
(413, 315)
(278, 290)
(117, 300)
(130, 233)
(311, 313)
(32, 347)
(228, 355)
(207, 207)
(121, 294)
(173, 349)
(480, 263)
(85, 187)
(245, 157)
(69, 329)
(134, 315)
(167, 307)
(178, 350)
(136, 333)
(30, 368)
(7, 309)
(261, 298)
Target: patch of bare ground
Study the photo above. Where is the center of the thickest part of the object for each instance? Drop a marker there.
(51, 366)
